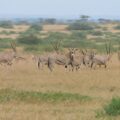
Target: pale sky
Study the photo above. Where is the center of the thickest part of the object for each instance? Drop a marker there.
(59, 8)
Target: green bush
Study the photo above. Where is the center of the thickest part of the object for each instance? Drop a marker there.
(97, 33)
(6, 24)
(79, 35)
(29, 31)
(5, 43)
(37, 27)
(29, 39)
(7, 32)
(31, 48)
(113, 108)
(80, 26)
(50, 21)
(57, 35)
(117, 27)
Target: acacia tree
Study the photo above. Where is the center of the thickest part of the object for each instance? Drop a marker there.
(56, 40)
(56, 45)
(50, 21)
(84, 18)
(6, 24)
(37, 27)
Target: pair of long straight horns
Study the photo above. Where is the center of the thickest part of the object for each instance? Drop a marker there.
(13, 45)
(72, 49)
(108, 46)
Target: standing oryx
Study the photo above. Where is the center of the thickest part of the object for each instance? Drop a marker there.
(87, 57)
(102, 59)
(8, 57)
(50, 60)
(42, 60)
(74, 59)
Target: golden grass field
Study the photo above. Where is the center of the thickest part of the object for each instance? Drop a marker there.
(100, 84)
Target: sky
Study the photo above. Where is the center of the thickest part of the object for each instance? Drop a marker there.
(59, 8)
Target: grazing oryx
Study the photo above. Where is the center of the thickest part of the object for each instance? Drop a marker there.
(102, 59)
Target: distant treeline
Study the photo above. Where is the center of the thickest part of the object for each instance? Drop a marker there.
(27, 21)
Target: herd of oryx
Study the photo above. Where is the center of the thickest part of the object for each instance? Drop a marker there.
(75, 58)
(72, 60)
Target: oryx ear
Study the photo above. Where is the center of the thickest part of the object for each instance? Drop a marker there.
(82, 52)
(69, 49)
(95, 52)
(86, 50)
(109, 50)
(72, 49)
(76, 49)
(13, 45)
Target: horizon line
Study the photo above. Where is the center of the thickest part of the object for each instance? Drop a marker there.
(13, 16)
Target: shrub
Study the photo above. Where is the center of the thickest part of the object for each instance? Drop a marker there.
(117, 27)
(6, 24)
(105, 28)
(29, 39)
(31, 48)
(113, 108)
(57, 35)
(78, 35)
(48, 49)
(37, 27)
(7, 32)
(97, 33)
(80, 26)
(50, 21)
(56, 40)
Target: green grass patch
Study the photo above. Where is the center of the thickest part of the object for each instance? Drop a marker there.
(9, 95)
(5, 43)
(109, 111)
(113, 108)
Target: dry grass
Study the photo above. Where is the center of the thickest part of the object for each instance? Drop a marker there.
(17, 29)
(21, 28)
(12, 36)
(100, 84)
(50, 28)
(110, 27)
(56, 28)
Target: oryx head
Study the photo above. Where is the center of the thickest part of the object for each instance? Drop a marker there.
(72, 52)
